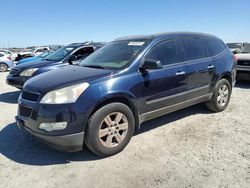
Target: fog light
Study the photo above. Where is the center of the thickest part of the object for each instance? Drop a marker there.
(53, 126)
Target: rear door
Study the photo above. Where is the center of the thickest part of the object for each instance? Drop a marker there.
(199, 68)
(162, 89)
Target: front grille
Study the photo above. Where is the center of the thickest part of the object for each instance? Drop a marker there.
(25, 111)
(243, 63)
(14, 72)
(30, 96)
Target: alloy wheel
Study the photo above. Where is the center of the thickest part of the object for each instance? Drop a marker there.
(113, 129)
(3, 67)
(223, 95)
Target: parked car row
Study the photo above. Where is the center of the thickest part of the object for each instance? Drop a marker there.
(80, 95)
(64, 56)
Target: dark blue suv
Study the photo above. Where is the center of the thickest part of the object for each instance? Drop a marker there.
(128, 81)
(71, 54)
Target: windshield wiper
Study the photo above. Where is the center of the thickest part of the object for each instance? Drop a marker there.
(94, 66)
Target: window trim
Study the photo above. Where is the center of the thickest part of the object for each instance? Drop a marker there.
(181, 50)
(158, 42)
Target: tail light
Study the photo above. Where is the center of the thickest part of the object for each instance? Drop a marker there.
(9, 58)
(235, 58)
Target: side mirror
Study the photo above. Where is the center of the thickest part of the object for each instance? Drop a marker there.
(72, 58)
(151, 64)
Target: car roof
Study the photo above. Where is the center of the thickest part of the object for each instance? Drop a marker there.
(165, 35)
(87, 44)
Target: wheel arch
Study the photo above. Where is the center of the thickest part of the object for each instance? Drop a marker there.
(227, 76)
(123, 98)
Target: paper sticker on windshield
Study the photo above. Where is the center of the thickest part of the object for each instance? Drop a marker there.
(135, 43)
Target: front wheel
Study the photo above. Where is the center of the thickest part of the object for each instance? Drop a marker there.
(3, 67)
(110, 129)
(221, 96)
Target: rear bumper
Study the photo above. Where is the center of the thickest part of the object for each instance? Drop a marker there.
(65, 143)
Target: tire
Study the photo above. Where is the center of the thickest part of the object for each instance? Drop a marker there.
(3, 67)
(217, 104)
(102, 135)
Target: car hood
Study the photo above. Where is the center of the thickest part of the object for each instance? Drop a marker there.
(36, 64)
(243, 56)
(29, 59)
(63, 77)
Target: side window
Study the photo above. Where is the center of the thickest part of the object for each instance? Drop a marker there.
(214, 46)
(83, 52)
(1, 55)
(194, 49)
(167, 52)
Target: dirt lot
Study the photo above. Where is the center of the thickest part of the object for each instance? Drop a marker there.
(188, 148)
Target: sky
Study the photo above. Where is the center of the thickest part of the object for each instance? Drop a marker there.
(33, 22)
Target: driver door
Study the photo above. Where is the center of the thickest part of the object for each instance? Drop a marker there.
(162, 89)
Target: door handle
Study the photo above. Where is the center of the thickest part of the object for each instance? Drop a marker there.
(180, 73)
(210, 66)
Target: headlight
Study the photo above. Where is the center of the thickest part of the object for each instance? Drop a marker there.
(28, 72)
(65, 95)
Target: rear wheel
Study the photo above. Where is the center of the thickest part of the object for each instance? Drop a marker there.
(3, 67)
(221, 96)
(110, 129)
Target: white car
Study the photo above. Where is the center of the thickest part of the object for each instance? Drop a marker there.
(9, 53)
(235, 47)
(38, 51)
(243, 63)
(5, 62)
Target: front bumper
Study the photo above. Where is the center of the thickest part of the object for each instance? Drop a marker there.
(243, 72)
(16, 81)
(243, 68)
(31, 114)
(66, 143)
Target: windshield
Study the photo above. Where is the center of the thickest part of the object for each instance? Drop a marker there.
(234, 45)
(59, 54)
(115, 55)
(44, 54)
(245, 49)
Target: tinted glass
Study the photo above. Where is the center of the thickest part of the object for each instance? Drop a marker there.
(245, 49)
(194, 48)
(44, 54)
(1, 55)
(115, 55)
(214, 46)
(234, 45)
(167, 52)
(60, 54)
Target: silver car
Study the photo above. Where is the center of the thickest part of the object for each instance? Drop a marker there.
(243, 64)
(5, 62)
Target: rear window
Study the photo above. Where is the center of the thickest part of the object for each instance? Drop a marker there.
(193, 48)
(214, 46)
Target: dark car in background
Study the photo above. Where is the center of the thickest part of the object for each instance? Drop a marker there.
(128, 81)
(64, 56)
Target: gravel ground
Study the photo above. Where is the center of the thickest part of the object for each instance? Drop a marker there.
(188, 148)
